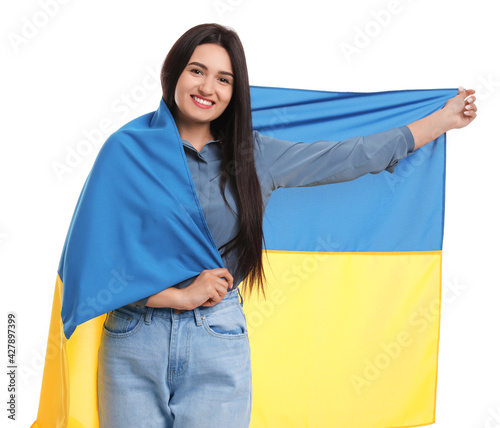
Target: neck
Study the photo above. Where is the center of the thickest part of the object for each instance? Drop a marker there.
(198, 134)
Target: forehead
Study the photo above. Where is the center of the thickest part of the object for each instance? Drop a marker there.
(213, 56)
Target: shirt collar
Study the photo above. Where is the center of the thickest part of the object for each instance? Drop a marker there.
(186, 143)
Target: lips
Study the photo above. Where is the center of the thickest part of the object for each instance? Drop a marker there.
(202, 102)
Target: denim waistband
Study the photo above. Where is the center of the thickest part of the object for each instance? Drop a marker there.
(229, 299)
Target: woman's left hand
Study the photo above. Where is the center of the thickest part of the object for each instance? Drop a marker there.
(461, 111)
(456, 113)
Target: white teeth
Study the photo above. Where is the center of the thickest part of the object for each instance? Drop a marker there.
(199, 100)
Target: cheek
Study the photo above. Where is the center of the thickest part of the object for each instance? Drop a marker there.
(227, 97)
(180, 88)
(180, 94)
(176, 94)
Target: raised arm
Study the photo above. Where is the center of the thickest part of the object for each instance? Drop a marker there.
(300, 164)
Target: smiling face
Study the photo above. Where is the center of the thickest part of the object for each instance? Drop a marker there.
(205, 86)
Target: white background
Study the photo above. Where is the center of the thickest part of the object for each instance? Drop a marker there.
(66, 73)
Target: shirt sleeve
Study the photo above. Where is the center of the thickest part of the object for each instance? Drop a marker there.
(323, 162)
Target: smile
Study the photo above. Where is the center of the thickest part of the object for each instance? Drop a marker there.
(202, 103)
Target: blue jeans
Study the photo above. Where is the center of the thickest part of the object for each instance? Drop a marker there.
(160, 368)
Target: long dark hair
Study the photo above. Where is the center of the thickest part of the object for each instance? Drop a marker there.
(234, 128)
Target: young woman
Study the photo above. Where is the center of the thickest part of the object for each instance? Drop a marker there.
(190, 365)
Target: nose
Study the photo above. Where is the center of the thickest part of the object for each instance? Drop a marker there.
(206, 87)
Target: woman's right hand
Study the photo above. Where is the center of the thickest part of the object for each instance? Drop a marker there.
(208, 289)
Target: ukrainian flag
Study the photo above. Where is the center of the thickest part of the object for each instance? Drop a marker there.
(348, 336)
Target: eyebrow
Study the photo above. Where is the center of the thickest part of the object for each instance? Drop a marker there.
(199, 64)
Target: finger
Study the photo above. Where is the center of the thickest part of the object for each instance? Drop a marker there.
(213, 298)
(466, 93)
(469, 95)
(221, 272)
(218, 271)
(221, 287)
(218, 294)
(228, 276)
(470, 113)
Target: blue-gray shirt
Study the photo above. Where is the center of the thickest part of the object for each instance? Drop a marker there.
(282, 163)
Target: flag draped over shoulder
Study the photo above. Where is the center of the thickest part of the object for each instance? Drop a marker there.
(138, 207)
(348, 336)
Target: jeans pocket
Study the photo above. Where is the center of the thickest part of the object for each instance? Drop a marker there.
(226, 323)
(122, 322)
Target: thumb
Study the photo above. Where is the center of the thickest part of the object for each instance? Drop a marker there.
(462, 91)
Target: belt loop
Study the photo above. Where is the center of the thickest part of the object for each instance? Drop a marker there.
(197, 316)
(241, 297)
(149, 314)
